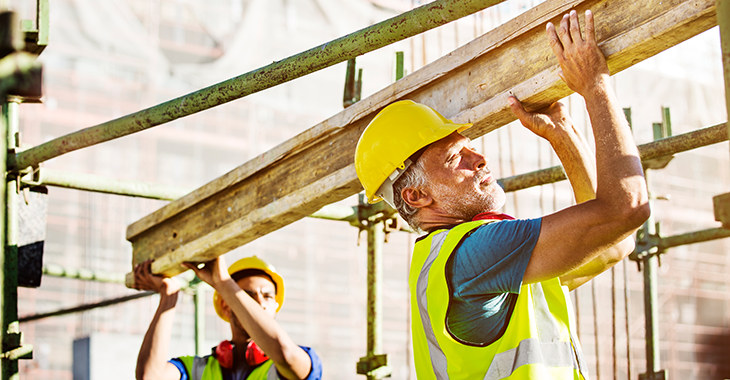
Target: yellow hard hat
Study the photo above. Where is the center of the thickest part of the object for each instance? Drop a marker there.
(252, 262)
(398, 131)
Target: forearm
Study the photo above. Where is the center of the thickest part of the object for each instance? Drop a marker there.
(152, 359)
(578, 162)
(289, 358)
(619, 172)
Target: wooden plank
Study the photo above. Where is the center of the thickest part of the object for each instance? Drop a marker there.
(470, 84)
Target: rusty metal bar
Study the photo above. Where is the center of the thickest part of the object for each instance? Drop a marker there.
(664, 147)
(90, 182)
(723, 21)
(85, 307)
(693, 237)
(395, 29)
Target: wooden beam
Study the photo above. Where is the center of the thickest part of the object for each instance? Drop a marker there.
(471, 84)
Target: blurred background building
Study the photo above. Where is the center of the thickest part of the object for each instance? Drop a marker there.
(110, 58)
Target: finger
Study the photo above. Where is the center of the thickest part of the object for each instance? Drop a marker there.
(554, 41)
(575, 27)
(516, 106)
(191, 266)
(563, 32)
(590, 28)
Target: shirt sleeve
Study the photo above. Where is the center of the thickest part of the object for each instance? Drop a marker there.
(181, 367)
(493, 259)
(315, 373)
(485, 275)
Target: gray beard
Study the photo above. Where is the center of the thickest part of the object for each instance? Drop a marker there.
(467, 206)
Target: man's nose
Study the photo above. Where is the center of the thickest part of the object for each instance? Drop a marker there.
(479, 161)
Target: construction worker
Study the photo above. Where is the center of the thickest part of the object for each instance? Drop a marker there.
(489, 293)
(248, 296)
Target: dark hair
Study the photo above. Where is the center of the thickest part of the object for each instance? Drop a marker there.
(241, 274)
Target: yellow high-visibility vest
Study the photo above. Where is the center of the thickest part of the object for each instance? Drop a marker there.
(208, 368)
(537, 343)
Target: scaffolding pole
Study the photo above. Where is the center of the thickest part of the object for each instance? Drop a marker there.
(90, 182)
(374, 365)
(82, 274)
(723, 21)
(405, 25)
(664, 147)
(86, 307)
(11, 336)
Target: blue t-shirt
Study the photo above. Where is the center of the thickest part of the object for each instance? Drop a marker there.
(314, 374)
(485, 275)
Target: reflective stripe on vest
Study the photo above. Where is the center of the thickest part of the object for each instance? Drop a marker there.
(536, 344)
(207, 368)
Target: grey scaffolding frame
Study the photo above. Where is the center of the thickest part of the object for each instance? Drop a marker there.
(374, 219)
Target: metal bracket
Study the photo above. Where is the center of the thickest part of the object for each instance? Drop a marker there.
(721, 204)
(368, 214)
(36, 34)
(374, 366)
(647, 245)
(23, 352)
(659, 375)
(13, 343)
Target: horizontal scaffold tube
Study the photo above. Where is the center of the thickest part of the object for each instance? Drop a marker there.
(664, 147)
(693, 237)
(365, 40)
(90, 182)
(85, 307)
(82, 274)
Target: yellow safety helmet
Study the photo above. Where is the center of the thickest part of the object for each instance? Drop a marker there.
(252, 262)
(398, 131)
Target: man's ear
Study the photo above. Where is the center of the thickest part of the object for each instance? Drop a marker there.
(415, 197)
(225, 309)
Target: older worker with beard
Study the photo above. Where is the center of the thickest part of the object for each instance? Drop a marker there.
(489, 293)
(247, 296)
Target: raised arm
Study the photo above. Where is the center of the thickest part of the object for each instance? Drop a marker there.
(573, 242)
(555, 125)
(152, 359)
(291, 360)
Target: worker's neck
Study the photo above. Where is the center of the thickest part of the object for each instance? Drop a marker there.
(434, 219)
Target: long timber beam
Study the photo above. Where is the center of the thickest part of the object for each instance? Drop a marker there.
(471, 84)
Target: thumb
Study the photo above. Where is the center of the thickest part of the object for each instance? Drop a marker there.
(516, 106)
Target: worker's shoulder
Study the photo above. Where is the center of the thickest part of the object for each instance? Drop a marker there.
(506, 228)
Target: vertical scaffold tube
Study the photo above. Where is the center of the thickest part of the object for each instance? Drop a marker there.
(651, 312)
(3, 167)
(200, 319)
(9, 281)
(723, 21)
(375, 281)
(628, 316)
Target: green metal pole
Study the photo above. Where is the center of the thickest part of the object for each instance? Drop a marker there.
(90, 182)
(375, 301)
(400, 71)
(82, 274)
(4, 364)
(86, 307)
(664, 147)
(199, 299)
(395, 29)
(723, 21)
(10, 328)
(650, 262)
(693, 237)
